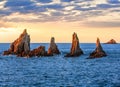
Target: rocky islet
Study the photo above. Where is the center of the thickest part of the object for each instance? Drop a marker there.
(112, 41)
(75, 48)
(21, 47)
(98, 52)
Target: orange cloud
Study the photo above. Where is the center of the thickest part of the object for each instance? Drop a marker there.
(5, 24)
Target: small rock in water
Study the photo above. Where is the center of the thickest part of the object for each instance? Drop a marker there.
(40, 51)
(99, 52)
(112, 41)
(53, 49)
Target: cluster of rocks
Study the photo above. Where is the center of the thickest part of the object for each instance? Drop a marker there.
(21, 47)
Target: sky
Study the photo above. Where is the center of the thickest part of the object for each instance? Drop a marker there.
(44, 19)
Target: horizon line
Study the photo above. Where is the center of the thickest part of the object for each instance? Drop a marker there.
(49, 42)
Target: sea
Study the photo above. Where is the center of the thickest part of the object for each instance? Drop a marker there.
(58, 71)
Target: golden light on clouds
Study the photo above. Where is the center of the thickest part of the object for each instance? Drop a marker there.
(60, 18)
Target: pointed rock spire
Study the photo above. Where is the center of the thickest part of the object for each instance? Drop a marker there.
(98, 45)
(25, 31)
(53, 49)
(20, 46)
(99, 52)
(75, 49)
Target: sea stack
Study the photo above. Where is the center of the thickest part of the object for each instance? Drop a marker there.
(40, 51)
(53, 49)
(112, 41)
(99, 52)
(75, 49)
(21, 46)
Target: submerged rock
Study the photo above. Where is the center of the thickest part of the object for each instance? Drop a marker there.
(75, 49)
(53, 49)
(99, 52)
(21, 46)
(40, 51)
(112, 41)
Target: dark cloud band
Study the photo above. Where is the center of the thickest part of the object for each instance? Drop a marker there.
(81, 10)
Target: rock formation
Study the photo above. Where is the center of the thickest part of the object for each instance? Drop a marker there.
(75, 49)
(20, 46)
(40, 51)
(99, 52)
(112, 41)
(53, 49)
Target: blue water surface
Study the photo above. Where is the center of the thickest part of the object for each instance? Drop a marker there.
(58, 71)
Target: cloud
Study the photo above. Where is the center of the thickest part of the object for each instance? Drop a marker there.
(102, 24)
(8, 30)
(107, 6)
(66, 0)
(60, 10)
(113, 1)
(5, 24)
(54, 6)
(16, 3)
(44, 1)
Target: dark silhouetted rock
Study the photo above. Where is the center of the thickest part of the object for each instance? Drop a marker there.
(40, 51)
(112, 41)
(75, 49)
(99, 52)
(20, 46)
(53, 49)
(7, 53)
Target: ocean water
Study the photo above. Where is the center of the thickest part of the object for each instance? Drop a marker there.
(58, 71)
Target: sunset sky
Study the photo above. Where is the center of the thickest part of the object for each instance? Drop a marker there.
(60, 18)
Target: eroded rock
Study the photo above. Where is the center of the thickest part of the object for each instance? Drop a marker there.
(21, 46)
(40, 51)
(99, 52)
(53, 49)
(75, 49)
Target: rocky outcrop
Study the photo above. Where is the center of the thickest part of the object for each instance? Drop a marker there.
(53, 49)
(99, 52)
(40, 51)
(75, 49)
(21, 46)
(112, 41)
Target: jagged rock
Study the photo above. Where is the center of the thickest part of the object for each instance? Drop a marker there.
(75, 49)
(20, 46)
(112, 41)
(99, 52)
(53, 49)
(40, 51)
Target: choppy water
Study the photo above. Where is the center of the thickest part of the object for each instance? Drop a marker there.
(58, 71)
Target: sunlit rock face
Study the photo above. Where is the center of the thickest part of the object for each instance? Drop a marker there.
(53, 49)
(40, 51)
(21, 46)
(98, 52)
(75, 49)
(112, 41)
